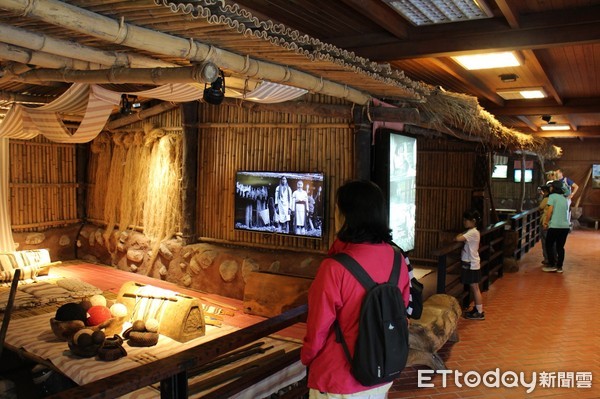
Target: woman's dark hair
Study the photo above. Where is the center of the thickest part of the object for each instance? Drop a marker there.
(362, 204)
(557, 187)
(472, 214)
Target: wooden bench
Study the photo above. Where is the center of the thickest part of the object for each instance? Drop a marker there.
(437, 324)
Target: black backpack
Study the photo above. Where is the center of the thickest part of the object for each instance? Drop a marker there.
(381, 348)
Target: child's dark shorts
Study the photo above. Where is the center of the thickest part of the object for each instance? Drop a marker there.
(468, 276)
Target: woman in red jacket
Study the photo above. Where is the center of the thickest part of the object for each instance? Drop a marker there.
(363, 233)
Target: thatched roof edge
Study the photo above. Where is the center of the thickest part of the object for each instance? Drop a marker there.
(242, 21)
(442, 109)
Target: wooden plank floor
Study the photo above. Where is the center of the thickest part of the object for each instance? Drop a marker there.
(535, 322)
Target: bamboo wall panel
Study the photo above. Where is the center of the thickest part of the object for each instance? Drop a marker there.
(445, 176)
(294, 143)
(43, 184)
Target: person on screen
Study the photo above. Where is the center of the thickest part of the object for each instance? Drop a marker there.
(283, 201)
(471, 266)
(364, 234)
(318, 215)
(311, 209)
(300, 208)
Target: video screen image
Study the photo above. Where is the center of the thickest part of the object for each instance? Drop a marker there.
(403, 188)
(280, 203)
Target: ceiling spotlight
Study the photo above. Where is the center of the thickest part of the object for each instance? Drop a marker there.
(216, 92)
(129, 104)
(508, 77)
(209, 72)
(546, 118)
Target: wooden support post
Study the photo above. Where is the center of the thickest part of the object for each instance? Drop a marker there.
(174, 387)
(522, 200)
(363, 132)
(441, 274)
(82, 159)
(189, 183)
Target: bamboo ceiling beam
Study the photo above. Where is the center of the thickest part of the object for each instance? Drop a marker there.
(24, 98)
(72, 50)
(29, 57)
(156, 76)
(138, 116)
(104, 28)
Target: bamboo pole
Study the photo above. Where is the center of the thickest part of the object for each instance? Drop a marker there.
(144, 114)
(25, 56)
(157, 76)
(24, 98)
(104, 28)
(72, 50)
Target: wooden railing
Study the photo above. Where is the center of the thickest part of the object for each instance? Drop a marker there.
(527, 226)
(172, 372)
(490, 252)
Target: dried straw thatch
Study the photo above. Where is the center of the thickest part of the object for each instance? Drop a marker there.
(138, 177)
(443, 110)
(446, 111)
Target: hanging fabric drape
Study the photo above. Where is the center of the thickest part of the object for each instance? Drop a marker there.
(92, 101)
(95, 104)
(7, 243)
(268, 92)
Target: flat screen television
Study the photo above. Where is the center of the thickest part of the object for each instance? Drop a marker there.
(500, 172)
(291, 203)
(528, 175)
(395, 171)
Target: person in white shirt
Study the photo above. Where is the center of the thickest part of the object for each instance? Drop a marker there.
(471, 264)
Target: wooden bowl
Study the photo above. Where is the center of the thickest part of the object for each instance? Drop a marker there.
(84, 351)
(64, 330)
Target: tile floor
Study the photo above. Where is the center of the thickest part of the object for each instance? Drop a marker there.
(535, 322)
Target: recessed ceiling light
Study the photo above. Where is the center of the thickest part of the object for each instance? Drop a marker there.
(557, 126)
(488, 60)
(533, 93)
(522, 93)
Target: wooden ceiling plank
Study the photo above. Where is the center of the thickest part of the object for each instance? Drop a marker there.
(570, 106)
(547, 29)
(540, 72)
(382, 15)
(528, 122)
(479, 89)
(511, 15)
(568, 135)
(454, 43)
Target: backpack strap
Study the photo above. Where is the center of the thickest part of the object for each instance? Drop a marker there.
(355, 269)
(366, 281)
(362, 276)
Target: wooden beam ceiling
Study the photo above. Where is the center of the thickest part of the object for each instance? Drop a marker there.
(532, 107)
(381, 14)
(542, 30)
